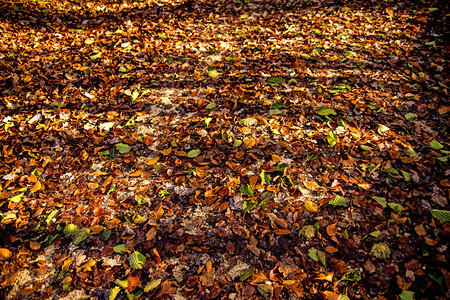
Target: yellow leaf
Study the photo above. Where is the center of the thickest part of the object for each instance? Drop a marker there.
(166, 152)
(67, 263)
(327, 277)
(249, 142)
(36, 187)
(97, 229)
(88, 266)
(137, 173)
(5, 254)
(151, 161)
(311, 206)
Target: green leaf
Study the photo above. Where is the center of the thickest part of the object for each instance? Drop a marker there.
(249, 122)
(123, 70)
(249, 205)
(365, 147)
(281, 167)
(136, 294)
(207, 121)
(436, 145)
(80, 236)
(274, 81)
(397, 208)
(391, 171)
(338, 201)
(237, 143)
(323, 111)
(193, 153)
(120, 248)
(307, 232)
(123, 148)
(433, 43)
(381, 250)
(313, 254)
(137, 260)
(69, 229)
(230, 58)
(373, 106)
(406, 295)
(152, 285)
(433, 9)
(352, 276)
(95, 56)
(213, 74)
(114, 292)
(275, 111)
(51, 215)
(244, 274)
(380, 200)
(350, 54)
(121, 283)
(211, 105)
(406, 175)
(265, 178)
(277, 105)
(441, 215)
(246, 190)
(16, 199)
(410, 117)
(331, 139)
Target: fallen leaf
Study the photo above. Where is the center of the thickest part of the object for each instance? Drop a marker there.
(151, 161)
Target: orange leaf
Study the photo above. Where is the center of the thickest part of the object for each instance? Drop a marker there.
(331, 249)
(332, 229)
(92, 185)
(88, 266)
(332, 296)
(36, 187)
(35, 245)
(137, 173)
(310, 185)
(276, 158)
(159, 213)
(431, 242)
(253, 181)
(179, 153)
(5, 254)
(32, 178)
(364, 186)
(420, 230)
(249, 142)
(99, 173)
(327, 277)
(151, 161)
(166, 152)
(311, 206)
(282, 231)
(112, 223)
(97, 229)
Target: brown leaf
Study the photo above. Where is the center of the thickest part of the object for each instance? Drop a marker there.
(151, 234)
(332, 229)
(112, 223)
(97, 229)
(282, 232)
(167, 288)
(331, 249)
(35, 245)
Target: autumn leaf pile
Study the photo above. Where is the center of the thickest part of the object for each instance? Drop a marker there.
(224, 150)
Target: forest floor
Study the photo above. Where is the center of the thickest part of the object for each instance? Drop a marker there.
(224, 150)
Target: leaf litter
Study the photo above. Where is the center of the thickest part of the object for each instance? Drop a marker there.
(234, 149)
